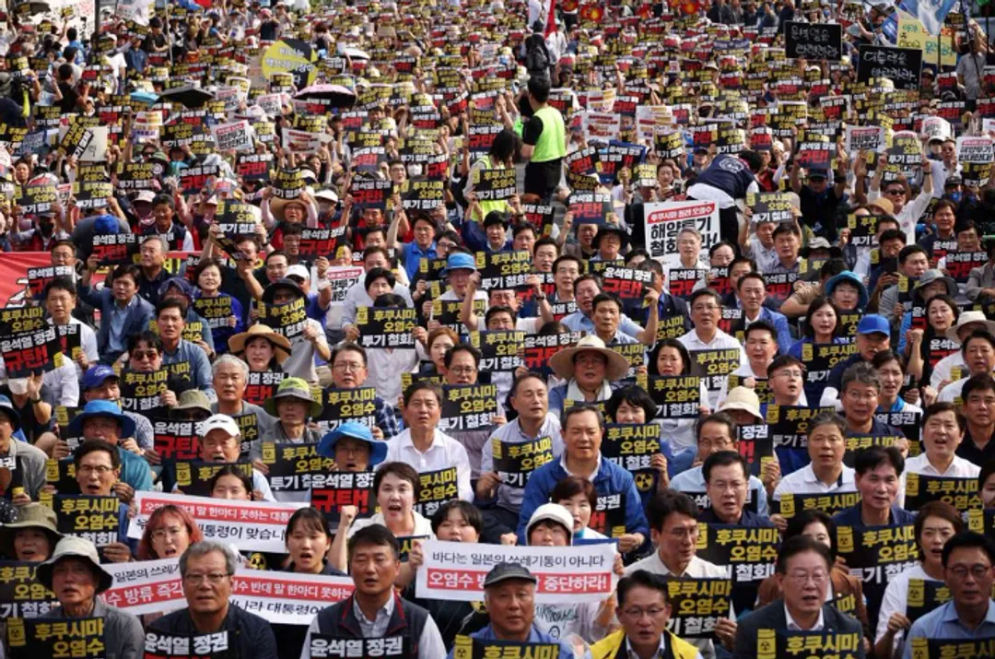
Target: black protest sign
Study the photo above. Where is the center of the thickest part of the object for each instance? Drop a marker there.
(786, 644)
(217, 311)
(756, 446)
(789, 425)
(634, 354)
(218, 645)
(423, 194)
(405, 543)
(863, 229)
(195, 179)
(334, 489)
(539, 216)
(193, 476)
(253, 166)
(114, 248)
(21, 594)
(515, 462)
(37, 199)
(468, 407)
(875, 554)
(749, 552)
(27, 353)
(908, 421)
(855, 443)
(494, 184)
(39, 278)
(618, 156)
(944, 648)
(820, 358)
(329, 647)
(780, 285)
(294, 467)
(816, 41)
(95, 518)
(632, 447)
(92, 194)
(696, 605)
(75, 637)
(447, 312)
(371, 192)
(503, 270)
(386, 327)
(714, 365)
(960, 264)
(321, 241)
(679, 396)
(62, 474)
(608, 516)
(176, 440)
(262, 385)
(498, 350)
(626, 283)
(15, 320)
(900, 65)
(816, 152)
(961, 493)
(681, 281)
(288, 319)
(537, 350)
(923, 596)
(434, 489)
(589, 207)
(138, 175)
(478, 648)
(831, 503)
(141, 392)
(288, 183)
(339, 405)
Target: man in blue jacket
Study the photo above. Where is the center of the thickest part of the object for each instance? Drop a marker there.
(123, 312)
(583, 428)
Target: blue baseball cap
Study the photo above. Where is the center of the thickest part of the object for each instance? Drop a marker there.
(95, 376)
(106, 224)
(874, 324)
(460, 261)
(356, 430)
(102, 408)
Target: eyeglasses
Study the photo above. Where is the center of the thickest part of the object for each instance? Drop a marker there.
(144, 354)
(348, 366)
(98, 469)
(788, 374)
(463, 370)
(213, 577)
(636, 612)
(977, 571)
(894, 191)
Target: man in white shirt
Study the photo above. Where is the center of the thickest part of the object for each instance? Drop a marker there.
(978, 350)
(706, 310)
(942, 432)
(422, 445)
(673, 519)
(826, 471)
(967, 322)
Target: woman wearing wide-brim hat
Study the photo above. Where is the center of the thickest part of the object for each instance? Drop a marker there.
(261, 347)
(32, 537)
(589, 368)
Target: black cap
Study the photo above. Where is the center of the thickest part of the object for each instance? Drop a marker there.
(278, 284)
(505, 571)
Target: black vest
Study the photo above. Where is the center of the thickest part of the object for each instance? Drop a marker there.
(407, 620)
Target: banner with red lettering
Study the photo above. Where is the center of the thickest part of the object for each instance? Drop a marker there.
(566, 574)
(287, 598)
(248, 525)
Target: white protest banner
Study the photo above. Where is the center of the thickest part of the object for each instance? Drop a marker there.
(665, 219)
(96, 148)
(272, 104)
(136, 11)
(864, 138)
(301, 141)
(288, 598)
(146, 586)
(236, 136)
(566, 574)
(602, 125)
(342, 278)
(248, 525)
(974, 149)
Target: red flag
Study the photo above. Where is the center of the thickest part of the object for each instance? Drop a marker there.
(551, 18)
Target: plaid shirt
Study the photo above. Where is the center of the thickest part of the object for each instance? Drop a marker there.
(386, 418)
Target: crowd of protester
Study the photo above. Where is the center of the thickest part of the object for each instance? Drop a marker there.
(612, 274)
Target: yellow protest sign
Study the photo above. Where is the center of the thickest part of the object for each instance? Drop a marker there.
(912, 34)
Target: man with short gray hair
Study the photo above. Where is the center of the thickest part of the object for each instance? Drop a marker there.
(230, 376)
(206, 571)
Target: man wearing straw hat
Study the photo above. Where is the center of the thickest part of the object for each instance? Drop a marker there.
(75, 576)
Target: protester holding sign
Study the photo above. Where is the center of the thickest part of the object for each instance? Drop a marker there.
(74, 574)
(207, 570)
(123, 312)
